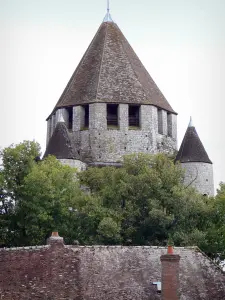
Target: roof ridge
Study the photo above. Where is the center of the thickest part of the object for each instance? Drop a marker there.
(103, 52)
(25, 248)
(210, 259)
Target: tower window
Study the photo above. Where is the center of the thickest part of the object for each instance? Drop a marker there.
(134, 115)
(112, 115)
(169, 124)
(85, 117)
(160, 121)
(70, 117)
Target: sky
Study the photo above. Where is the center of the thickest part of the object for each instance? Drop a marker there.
(181, 43)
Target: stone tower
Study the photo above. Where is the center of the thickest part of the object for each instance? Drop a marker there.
(110, 107)
(194, 159)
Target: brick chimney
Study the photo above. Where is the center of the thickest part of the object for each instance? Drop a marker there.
(55, 239)
(170, 275)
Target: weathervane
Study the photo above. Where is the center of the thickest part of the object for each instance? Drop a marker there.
(108, 6)
(108, 17)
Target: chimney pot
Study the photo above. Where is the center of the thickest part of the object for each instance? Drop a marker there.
(170, 250)
(55, 239)
(55, 234)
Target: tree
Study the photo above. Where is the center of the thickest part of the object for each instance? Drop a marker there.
(216, 232)
(142, 203)
(38, 197)
(47, 196)
(150, 200)
(17, 161)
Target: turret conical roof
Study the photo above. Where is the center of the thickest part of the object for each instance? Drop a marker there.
(192, 149)
(110, 71)
(60, 144)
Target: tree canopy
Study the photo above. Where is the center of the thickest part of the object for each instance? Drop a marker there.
(142, 203)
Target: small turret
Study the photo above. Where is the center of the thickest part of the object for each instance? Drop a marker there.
(194, 159)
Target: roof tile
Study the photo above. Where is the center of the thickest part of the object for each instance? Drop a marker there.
(110, 71)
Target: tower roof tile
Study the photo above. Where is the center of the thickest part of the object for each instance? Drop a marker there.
(192, 149)
(60, 144)
(110, 71)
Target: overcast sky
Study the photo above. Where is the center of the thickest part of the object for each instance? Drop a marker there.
(181, 43)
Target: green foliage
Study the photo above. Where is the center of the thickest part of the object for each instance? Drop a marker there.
(215, 236)
(142, 203)
(148, 197)
(109, 231)
(40, 197)
(17, 162)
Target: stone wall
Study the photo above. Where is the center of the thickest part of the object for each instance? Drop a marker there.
(99, 143)
(74, 163)
(200, 176)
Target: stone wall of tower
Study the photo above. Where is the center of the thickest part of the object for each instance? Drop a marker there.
(200, 176)
(101, 144)
(74, 163)
(167, 141)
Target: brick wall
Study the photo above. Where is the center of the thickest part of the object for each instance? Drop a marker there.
(170, 277)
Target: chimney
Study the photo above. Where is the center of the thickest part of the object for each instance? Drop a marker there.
(170, 275)
(55, 239)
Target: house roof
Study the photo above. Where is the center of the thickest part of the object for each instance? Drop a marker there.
(61, 144)
(192, 149)
(104, 272)
(110, 71)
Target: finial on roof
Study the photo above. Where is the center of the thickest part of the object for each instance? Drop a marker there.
(108, 17)
(191, 123)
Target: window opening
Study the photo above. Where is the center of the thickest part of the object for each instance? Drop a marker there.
(160, 121)
(112, 115)
(70, 117)
(169, 124)
(134, 116)
(86, 116)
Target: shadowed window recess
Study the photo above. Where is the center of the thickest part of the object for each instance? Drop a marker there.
(70, 117)
(160, 121)
(134, 116)
(112, 115)
(85, 117)
(169, 124)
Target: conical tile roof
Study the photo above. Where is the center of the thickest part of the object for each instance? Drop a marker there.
(60, 144)
(192, 149)
(110, 71)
